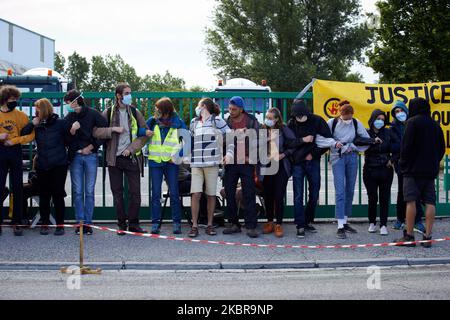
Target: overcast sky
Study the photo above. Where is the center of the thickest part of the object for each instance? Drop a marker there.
(151, 35)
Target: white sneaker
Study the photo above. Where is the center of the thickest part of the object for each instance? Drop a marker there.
(384, 231)
(372, 228)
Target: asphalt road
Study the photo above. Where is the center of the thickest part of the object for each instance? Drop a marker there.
(424, 283)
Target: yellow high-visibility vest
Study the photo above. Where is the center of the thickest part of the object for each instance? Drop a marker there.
(163, 152)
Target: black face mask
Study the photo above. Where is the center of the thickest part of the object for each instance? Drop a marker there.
(11, 105)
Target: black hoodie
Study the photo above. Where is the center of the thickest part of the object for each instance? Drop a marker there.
(423, 145)
(378, 155)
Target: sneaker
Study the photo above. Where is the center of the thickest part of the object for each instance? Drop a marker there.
(177, 228)
(156, 229)
(18, 232)
(398, 225)
(44, 231)
(193, 233)
(0, 230)
(419, 227)
(77, 230)
(341, 234)
(279, 231)
(137, 230)
(349, 229)
(59, 231)
(384, 231)
(88, 231)
(233, 229)
(406, 238)
(268, 228)
(426, 244)
(310, 228)
(372, 228)
(210, 231)
(252, 233)
(300, 233)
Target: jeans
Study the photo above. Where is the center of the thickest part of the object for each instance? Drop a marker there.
(245, 172)
(11, 160)
(170, 172)
(310, 170)
(345, 170)
(83, 173)
(378, 182)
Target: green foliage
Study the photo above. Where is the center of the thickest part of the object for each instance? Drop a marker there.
(286, 42)
(412, 41)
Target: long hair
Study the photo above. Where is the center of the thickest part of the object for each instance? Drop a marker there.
(210, 105)
(278, 117)
(45, 108)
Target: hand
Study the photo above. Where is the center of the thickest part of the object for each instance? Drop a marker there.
(389, 164)
(88, 150)
(36, 121)
(339, 145)
(126, 153)
(119, 130)
(308, 139)
(227, 159)
(281, 156)
(3, 136)
(149, 133)
(8, 143)
(378, 140)
(75, 127)
(309, 157)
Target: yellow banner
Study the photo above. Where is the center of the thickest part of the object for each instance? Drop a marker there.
(367, 97)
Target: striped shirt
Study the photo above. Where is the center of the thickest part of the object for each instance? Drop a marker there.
(207, 142)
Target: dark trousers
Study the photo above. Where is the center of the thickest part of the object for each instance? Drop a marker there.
(245, 172)
(11, 162)
(52, 188)
(29, 190)
(126, 166)
(401, 204)
(310, 170)
(274, 192)
(378, 182)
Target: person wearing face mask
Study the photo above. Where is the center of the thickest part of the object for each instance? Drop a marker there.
(12, 121)
(124, 156)
(378, 170)
(275, 185)
(208, 131)
(52, 136)
(399, 114)
(344, 151)
(165, 145)
(83, 155)
(306, 163)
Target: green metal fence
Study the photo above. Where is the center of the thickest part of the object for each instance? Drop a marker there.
(258, 102)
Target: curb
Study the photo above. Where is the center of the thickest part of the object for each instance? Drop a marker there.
(204, 266)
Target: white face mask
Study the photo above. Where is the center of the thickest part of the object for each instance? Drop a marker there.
(347, 122)
(198, 112)
(302, 119)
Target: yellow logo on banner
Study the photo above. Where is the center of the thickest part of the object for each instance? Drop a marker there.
(367, 97)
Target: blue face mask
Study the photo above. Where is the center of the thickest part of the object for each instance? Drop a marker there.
(127, 99)
(269, 123)
(378, 124)
(401, 116)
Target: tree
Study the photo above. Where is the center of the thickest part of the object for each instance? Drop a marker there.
(412, 41)
(108, 71)
(60, 62)
(166, 82)
(286, 42)
(78, 70)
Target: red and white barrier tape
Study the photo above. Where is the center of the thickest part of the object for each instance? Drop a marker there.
(255, 245)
